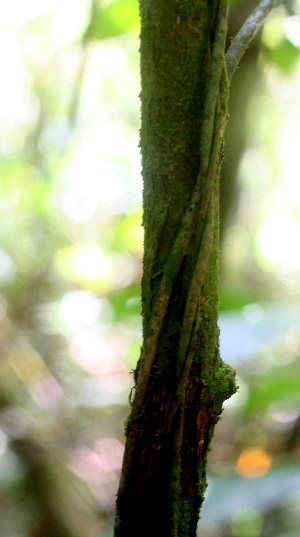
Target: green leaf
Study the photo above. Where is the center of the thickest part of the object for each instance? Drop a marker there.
(284, 55)
(118, 17)
(129, 233)
(126, 302)
(235, 299)
(280, 385)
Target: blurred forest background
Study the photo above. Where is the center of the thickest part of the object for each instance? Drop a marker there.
(70, 266)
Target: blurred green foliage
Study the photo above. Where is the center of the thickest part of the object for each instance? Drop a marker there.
(284, 55)
(114, 18)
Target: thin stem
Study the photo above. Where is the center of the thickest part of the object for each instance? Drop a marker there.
(246, 34)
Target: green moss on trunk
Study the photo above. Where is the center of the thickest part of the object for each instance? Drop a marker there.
(181, 380)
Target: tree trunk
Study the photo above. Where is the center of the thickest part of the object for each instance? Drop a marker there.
(181, 382)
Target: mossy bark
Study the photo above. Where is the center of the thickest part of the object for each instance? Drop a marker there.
(181, 382)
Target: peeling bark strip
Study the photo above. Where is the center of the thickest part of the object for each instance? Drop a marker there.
(181, 381)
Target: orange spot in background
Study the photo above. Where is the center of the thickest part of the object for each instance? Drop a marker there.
(253, 462)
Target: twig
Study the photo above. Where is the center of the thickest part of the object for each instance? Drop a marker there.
(247, 33)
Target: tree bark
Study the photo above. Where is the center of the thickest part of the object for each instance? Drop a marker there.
(181, 381)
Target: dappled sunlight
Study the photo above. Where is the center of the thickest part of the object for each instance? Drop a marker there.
(277, 240)
(85, 263)
(93, 184)
(291, 26)
(79, 309)
(15, 14)
(95, 269)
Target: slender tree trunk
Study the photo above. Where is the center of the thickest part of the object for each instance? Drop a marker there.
(181, 381)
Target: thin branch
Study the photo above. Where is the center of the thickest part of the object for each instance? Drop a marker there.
(247, 33)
